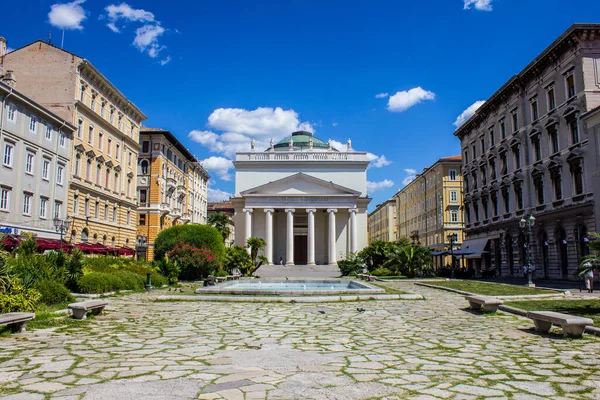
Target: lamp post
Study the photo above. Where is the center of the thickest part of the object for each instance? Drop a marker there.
(452, 238)
(526, 223)
(61, 226)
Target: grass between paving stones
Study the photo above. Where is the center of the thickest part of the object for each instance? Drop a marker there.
(45, 317)
(492, 289)
(583, 308)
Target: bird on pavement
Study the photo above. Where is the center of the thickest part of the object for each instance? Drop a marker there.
(359, 309)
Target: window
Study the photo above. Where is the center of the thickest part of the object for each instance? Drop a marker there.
(8, 153)
(466, 156)
(106, 212)
(32, 124)
(506, 198)
(117, 183)
(82, 91)
(43, 206)
(86, 207)
(538, 182)
(129, 187)
(493, 169)
(503, 128)
(59, 174)
(11, 112)
(454, 216)
(91, 135)
(76, 205)
(551, 99)
(574, 131)
(57, 209)
(48, 132)
(474, 151)
(515, 120)
(117, 148)
(453, 196)
(144, 167)
(93, 102)
(129, 161)
(100, 141)
(577, 173)
(29, 163)
(145, 146)
(537, 147)
(452, 174)
(504, 164)
(128, 217)
(107, 179)
(97, 210)
(77, 164)
(114, 215)
(519, 195)
(556, 183)
(120, 122)
(142, 220)
(143, 196)
(102, 107)
(495, 203)
(570, 81)
(482, 141)
(492, 137)
(27, 203)
(45, 169)
(517, 154)
(79, 128)
(112, 115)
(88, 170)
(553, 132)
(109, 147)
(534, 109)
(98, 174)
(4, 199)
(62, 139)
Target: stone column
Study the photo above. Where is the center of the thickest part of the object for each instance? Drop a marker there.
(311, 236)
(269, 234)
(353, 230)
(248, 226)
(332, 250)
(290, 237)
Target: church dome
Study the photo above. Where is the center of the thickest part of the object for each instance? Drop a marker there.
(301, 139)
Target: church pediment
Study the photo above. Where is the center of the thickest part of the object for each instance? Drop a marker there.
(300, 184)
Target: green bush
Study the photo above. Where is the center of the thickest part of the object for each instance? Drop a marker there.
(102, 282)
(18, 298)
(351, 265)
(382, 272)
(237, 258)
(130, 281)
(169, 269)
(53, 293)
(195, 262)
(158, 280)
(194, 235)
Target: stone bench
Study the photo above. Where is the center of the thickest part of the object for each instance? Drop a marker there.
(232, 277)
(220, 279)
(16, 321)
(571, 324)
(488, 304)
(81, 309)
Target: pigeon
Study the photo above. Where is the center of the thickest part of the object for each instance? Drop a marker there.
(321, 312)
(359, 309)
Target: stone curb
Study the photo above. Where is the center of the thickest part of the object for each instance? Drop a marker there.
(592, 330)
(283, 299)
(512, 297)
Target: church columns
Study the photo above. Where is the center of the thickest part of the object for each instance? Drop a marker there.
(248, 226)
(311, 236)
(353, 230)
(290, 237)
(332, 250)
(269, 234)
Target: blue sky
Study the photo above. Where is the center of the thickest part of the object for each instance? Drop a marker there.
(218, 73)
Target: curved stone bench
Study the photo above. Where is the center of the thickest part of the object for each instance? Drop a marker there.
(81, 309)
(16, 321)
(572, 325)
(488, 304)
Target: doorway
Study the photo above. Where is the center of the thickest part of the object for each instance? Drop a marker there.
(300, 249)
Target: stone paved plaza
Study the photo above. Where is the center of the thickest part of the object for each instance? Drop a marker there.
(432, 349)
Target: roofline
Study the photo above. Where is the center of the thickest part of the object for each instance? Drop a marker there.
(539, 59)
(591, 113)
(14, 92)
(443, 160)
(381, 205)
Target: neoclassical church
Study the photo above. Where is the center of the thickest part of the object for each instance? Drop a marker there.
(307, 200)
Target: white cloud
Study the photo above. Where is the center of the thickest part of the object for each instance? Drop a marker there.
(468, 113)
(377, 161)
(381, 95)
(375, 186)
(67, 15)
(411, 175)
(216, 195)
(240, 126)
(404, 100)
(339, 146)
(334, 124)
(219, 165)
(125, 11)
(146, 39)
(165, 61)
(113, 27)
(481, 5)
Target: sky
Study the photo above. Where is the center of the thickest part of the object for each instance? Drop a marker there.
(396, 77)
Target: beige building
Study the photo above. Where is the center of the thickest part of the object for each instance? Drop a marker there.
(102, 195)
(430, 207)
(526, 152)
(227, 208)
(171, 185)
(382, 222)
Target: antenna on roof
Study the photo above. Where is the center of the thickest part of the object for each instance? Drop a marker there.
(62, 42)
(49, 36)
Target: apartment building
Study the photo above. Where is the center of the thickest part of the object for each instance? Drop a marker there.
(227, 208)
(34, 178)
(382, 222)
(104, 152)
(429, 208)
(171, 185)
(526, 153)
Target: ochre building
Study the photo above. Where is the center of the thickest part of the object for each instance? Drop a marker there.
(382, 223)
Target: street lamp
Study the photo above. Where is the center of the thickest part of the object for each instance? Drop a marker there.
(61, 226)
(452, 238)
(526, 223)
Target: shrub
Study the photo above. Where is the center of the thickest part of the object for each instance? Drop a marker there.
(169, 269)
(351, 265)
(53, 293)
(382, 272)
(237, 258)
(194, 235)
(18, 298)
(221, 272)
(195, 263)
(158, 280)
(130, 281)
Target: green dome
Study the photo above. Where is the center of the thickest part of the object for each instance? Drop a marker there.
(301, 139)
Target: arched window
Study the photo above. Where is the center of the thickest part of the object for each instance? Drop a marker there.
(112, 241)
(104, 240)
(84, 235)
(95, 238)
(144, 167)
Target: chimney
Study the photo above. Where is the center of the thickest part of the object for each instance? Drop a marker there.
(2, 46)
(9, 78)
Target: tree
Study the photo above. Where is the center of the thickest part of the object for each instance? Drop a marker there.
(255, 244)
(194, 235)
(237, 257)
(591, 261)
(220, 221)
(194, 262)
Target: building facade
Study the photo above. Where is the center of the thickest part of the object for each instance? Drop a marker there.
(171, 186)
(227, 208)
(307, 200)
(102, 195)
(591, 122)
(526, 152)
(429, 208)
(382, 222)
(34, 175)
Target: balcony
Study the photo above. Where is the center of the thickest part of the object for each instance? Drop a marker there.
(175, 213)
(171, 184)
(186, 217)
(164, 208)
(181, 189)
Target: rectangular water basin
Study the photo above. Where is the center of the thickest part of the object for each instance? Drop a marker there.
(291, 287)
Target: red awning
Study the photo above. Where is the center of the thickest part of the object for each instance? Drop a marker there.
(126, 251)
(9, 242)
(51, 244)
(92, 248)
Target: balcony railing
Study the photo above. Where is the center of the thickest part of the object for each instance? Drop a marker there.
(302, 156)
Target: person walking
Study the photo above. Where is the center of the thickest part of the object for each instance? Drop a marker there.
(589, 278)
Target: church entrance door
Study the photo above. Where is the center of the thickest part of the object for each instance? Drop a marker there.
(300, 249)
